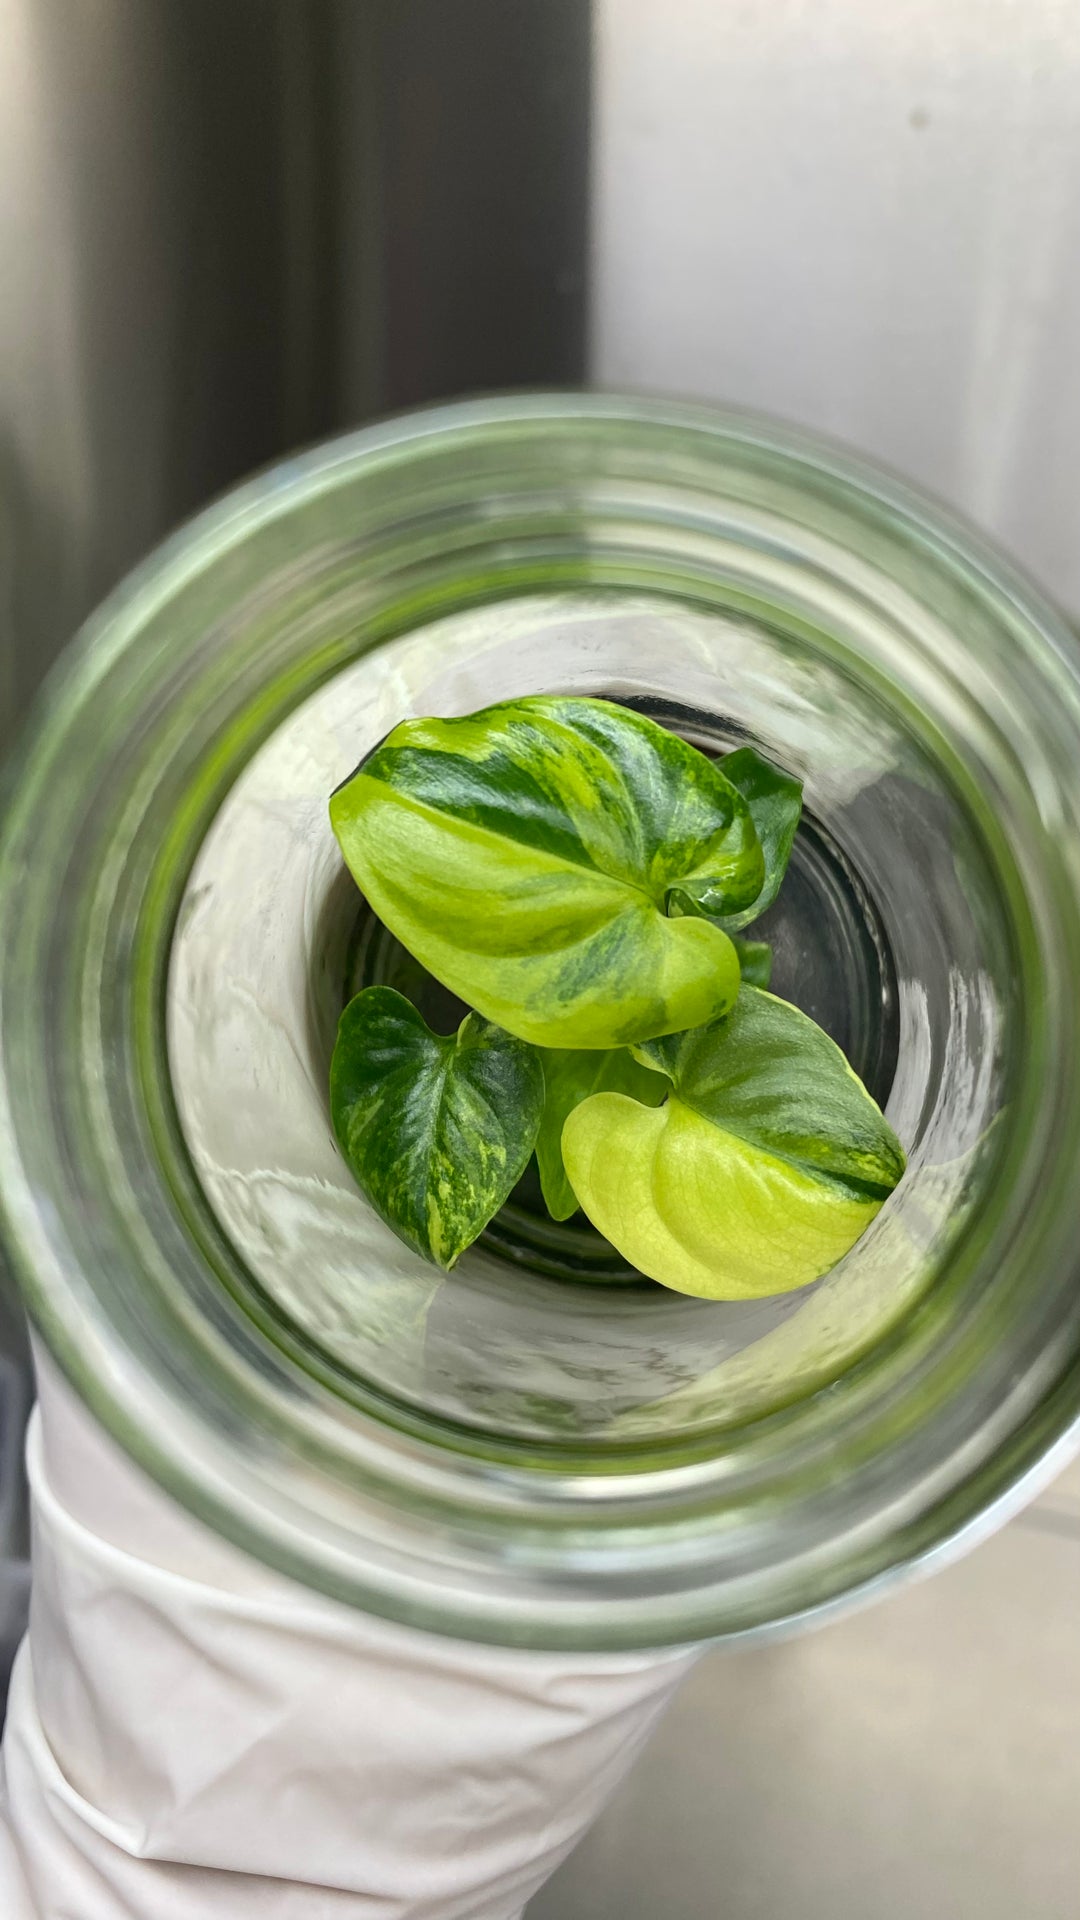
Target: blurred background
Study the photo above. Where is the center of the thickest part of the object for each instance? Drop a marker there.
(230, 227)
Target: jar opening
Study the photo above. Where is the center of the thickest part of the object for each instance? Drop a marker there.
(499, 1350)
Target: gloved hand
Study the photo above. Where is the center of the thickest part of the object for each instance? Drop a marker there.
(191, 1735)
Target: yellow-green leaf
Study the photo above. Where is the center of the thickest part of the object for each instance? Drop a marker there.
(533, 856)
(763, 1167)
(569, 1078)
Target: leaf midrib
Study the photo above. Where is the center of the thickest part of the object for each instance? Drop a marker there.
(425, 807)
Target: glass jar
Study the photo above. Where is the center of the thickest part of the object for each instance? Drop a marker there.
(540, 1448)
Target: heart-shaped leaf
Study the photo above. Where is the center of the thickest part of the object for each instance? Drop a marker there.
(436, 1130)
(775, 803)
(761, 1170)
(532, 857)
(570, 1077)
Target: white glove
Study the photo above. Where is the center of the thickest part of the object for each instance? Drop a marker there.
(191, 1735)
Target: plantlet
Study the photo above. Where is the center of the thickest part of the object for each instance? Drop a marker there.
(582, 876)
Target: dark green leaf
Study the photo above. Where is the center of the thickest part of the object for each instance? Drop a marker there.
(755, 960)
(436, 1130)
(536, 857)
(775, 803)
(570, 1076)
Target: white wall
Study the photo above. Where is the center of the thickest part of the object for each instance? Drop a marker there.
(864, 215)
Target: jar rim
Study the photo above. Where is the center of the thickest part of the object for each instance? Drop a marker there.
(564, 1552)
